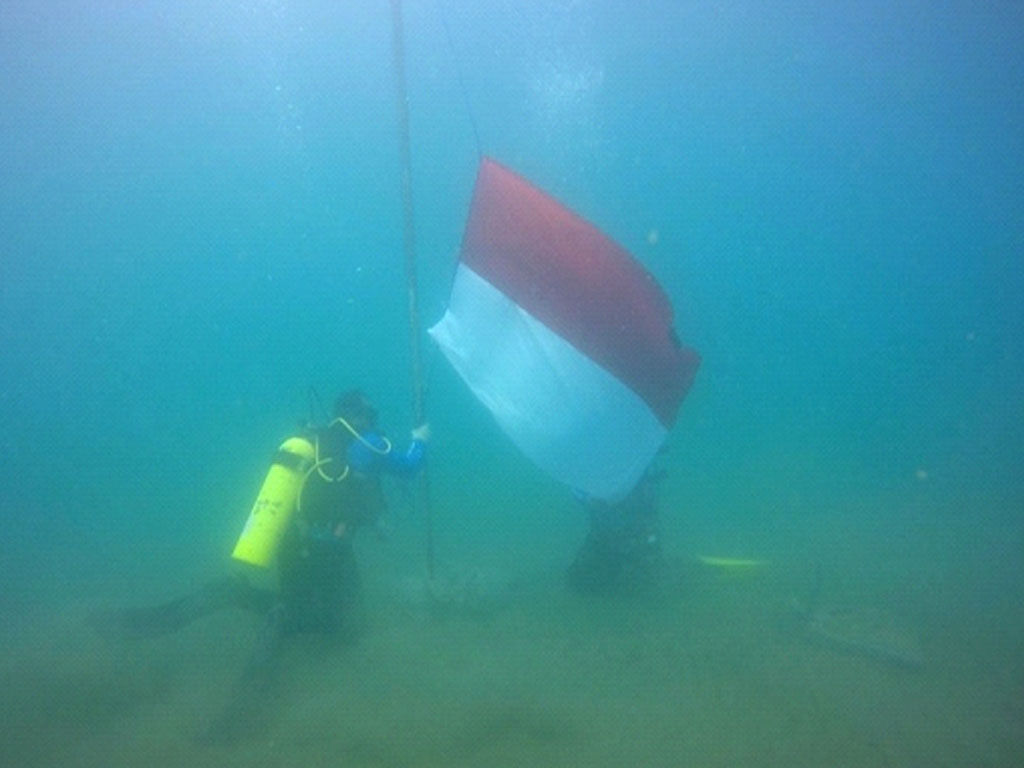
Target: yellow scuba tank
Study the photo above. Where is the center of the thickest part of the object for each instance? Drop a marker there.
(276, 502)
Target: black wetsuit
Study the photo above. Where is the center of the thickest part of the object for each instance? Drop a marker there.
(318, 581)
(622, 550)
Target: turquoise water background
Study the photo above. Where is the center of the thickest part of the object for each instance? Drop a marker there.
(200, 219)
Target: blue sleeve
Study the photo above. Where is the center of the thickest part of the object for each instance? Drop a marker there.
(394, 462)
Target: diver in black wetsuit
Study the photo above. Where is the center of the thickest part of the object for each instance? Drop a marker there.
(622, 550)
(318, 580)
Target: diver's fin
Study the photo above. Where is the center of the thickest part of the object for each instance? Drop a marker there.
(163, 619)
(739, 563)
(245, 714)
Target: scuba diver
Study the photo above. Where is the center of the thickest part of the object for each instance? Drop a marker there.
(622, 550)
(322, 487)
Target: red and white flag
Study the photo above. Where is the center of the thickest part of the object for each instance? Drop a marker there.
(564, 336)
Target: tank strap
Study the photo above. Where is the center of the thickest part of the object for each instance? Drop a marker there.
(291, 460)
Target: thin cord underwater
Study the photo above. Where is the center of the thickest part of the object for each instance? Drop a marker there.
(460, 78)
(432, 355)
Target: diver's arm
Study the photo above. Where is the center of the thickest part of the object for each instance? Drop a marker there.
(407, 463)
(378, 454)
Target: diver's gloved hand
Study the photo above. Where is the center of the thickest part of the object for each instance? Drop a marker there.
(422, 432)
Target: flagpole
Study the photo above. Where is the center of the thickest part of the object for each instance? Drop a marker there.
(409, 247)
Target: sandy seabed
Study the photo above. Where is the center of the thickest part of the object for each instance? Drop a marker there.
(709, 672)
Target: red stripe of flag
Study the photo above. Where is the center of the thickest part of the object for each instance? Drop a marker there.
(578, 282)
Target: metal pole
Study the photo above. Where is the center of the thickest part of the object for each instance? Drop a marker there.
(409, 244)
